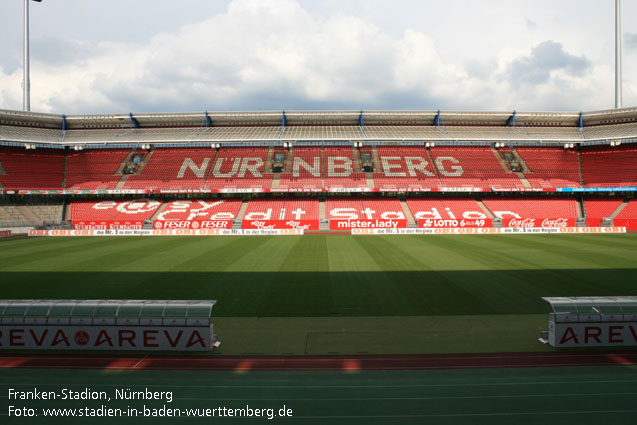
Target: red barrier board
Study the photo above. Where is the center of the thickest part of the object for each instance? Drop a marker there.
(280, 224)
(538, 222)
(192, 224)
(108, 225)
(5, 233)
(628, 223)
(368, 224)
(461, 223)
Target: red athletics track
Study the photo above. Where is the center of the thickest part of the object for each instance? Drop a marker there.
(318, 363)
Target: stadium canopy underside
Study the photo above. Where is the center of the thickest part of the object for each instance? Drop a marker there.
(319, 127)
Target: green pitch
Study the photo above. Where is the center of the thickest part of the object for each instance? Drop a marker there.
(320, 294)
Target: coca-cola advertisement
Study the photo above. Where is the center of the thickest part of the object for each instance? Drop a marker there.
(432, 223)
(109, 225)
(192, 224)
(280, 224)
(555, 223)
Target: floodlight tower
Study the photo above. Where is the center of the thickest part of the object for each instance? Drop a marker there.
(26, 69)
(618, 54)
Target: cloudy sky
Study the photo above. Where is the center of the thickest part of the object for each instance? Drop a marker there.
(117, 56)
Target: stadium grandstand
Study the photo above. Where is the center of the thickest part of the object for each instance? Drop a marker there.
(316, 169)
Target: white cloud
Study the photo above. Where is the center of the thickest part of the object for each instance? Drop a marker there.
(274, 54)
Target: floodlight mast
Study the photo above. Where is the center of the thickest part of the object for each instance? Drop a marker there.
(26, 69)
(618, 54)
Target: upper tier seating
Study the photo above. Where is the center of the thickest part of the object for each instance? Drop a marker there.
(342, 170)
(405, 167)
(173, 169)
(240, 168)
(305, 165)
(554, 207)
(472, 166)
(610, 166)
(31, 169)
(94, 168)
(551, 167)
(114, 210)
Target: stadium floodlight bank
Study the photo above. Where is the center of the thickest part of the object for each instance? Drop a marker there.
(140, 325)
(592, 321)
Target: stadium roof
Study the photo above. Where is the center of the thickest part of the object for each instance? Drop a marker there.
(319, 126)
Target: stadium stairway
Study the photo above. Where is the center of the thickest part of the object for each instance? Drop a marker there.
(619, 209)
(29, 216)
(580, 168)
(356, 160)
(125, 162)
(411, 221)
(501, 160)
(276, 179)
(516, 154)
(144, 162)
(268, 160)
(431, 161)
(122, 181)
(370, 180)
(242, 211)
(161, 208)
(66, 160)
(485, 209)
(523, 179)
(323, 222)
(376, 160)
(210, 170)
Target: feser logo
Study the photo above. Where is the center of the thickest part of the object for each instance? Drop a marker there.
(192, 224)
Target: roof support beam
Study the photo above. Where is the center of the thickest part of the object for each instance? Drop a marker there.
(133, 121)
(208, 120)
(437, 119)
(581, 120)
(284, 120)
(511, 120)
(63, 123)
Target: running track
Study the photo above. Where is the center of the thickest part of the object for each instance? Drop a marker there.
(318, 363)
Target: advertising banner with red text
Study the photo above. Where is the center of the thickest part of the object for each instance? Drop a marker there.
(598, 334)
(108, 225)
(349, 224)
(5, 233)
(454, 223)
(139, 338)
(192, 224)
(280, 224)
(554, 223)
